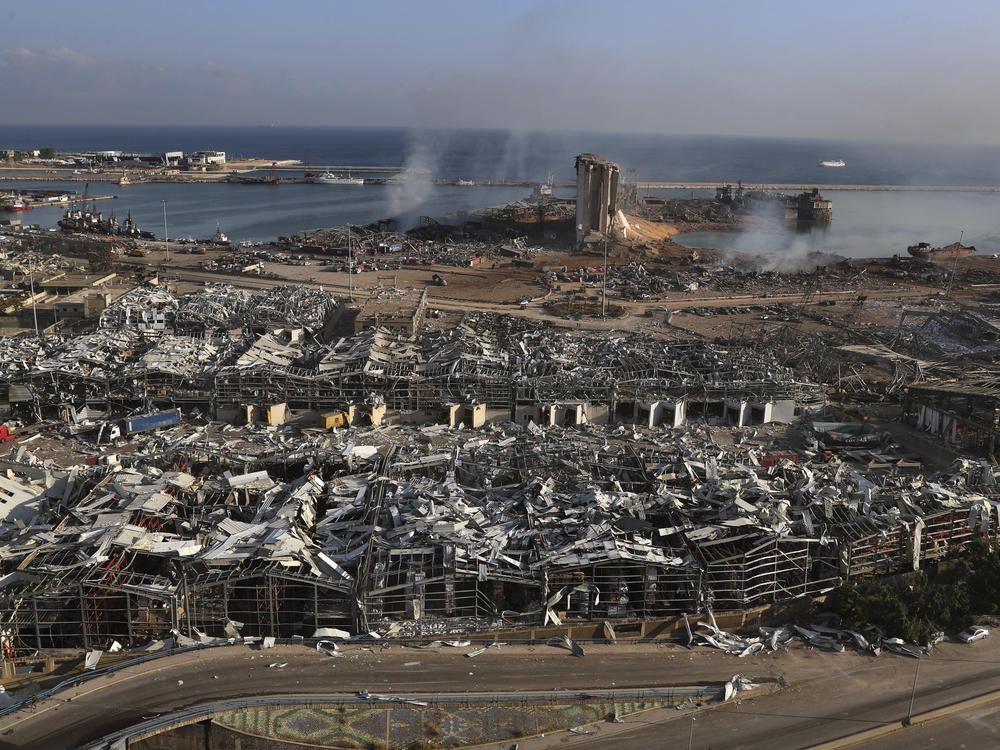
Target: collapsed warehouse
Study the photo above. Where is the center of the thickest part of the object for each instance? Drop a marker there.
(223, 351)
(440, 530)
(489, 516)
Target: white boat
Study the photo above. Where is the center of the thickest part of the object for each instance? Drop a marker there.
(465, 183)
(219, 238)
(833, 163)
(329, 178)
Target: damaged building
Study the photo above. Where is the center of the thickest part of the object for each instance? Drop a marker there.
(224, 352)
(435, 530)
(596, 197)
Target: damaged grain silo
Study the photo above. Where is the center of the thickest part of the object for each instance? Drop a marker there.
(596, 197)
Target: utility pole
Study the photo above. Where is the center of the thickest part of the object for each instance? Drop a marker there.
(913, 692)
(954, 265)
(350, 264)
(166, 240)
(31, 282)
(604, 282)
(691, 733)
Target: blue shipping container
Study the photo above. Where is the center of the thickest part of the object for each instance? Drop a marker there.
(153, 421)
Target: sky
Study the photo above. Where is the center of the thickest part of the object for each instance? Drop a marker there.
(918, 70)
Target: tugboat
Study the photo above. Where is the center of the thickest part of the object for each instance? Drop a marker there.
(91, 221)
(128, 228)
(219, 238)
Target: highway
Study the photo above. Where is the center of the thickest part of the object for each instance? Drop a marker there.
(827, 695)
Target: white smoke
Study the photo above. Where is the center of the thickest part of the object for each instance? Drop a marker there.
(415, 187)
(773, 244)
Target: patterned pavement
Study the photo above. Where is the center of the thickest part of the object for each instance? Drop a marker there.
(443, 725)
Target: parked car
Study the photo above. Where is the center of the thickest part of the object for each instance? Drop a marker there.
(973, 634)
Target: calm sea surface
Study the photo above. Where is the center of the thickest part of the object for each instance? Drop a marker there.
(865, 223)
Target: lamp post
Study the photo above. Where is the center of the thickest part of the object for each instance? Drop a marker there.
(604, 282)
(350, 265)
(954, 265)
(31, 291)
(913, 692)
(166, 240)
(691, 733)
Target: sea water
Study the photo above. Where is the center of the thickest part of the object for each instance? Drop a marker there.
(865, 223)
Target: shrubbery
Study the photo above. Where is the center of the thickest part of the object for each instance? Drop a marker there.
(967, 587)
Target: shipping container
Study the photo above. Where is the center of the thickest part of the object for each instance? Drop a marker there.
(153, 421)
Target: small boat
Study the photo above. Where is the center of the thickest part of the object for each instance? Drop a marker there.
(832, 163)
(954, 250)
(329, 178)
(465, 183)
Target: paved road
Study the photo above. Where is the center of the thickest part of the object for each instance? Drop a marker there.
(978, 729)
(823, 708)
(828, 695)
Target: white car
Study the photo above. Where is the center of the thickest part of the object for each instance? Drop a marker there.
(973, 634)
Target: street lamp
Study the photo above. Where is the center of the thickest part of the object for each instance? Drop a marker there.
(31, 291)
(166, 240)
(954, 265)
(913, 692)
(350, 264)
(604, 282)
(691, 733)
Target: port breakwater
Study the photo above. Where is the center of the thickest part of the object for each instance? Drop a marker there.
(791, 186)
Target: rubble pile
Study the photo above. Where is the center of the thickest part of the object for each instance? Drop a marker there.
(417, 531)
(293, 307)
(21, 264)
(230, 348)
(219, 307)
(144, 308)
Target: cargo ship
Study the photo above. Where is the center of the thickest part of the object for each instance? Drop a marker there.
(954, 250)
(13, 202)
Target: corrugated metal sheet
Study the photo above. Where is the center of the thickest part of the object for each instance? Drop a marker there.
(19, 393)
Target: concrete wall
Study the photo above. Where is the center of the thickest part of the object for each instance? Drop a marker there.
(418, 416)
(524, 413)
(474, 415)
(783, 411)
(228, 413)
(597, 413)
(565, 414)
(277, 414)
(680, 413)
(737, 412)
(191, 737)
